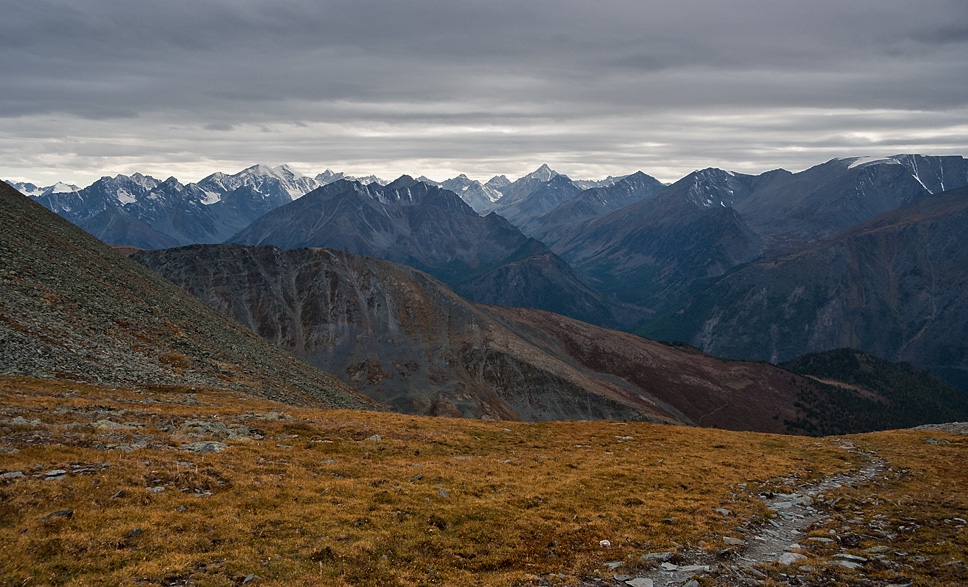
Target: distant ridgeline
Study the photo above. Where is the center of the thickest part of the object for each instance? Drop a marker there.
(868, 253)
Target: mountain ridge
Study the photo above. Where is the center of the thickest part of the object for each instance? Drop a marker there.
(73, 309)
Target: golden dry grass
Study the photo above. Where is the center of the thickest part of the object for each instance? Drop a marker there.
(320, 497)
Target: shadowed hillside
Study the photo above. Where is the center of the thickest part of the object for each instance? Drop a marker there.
(71, 308)
(408, 341)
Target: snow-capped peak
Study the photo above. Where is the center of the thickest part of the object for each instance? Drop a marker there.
(543, 173)
(145, 181)
(863, 161)
(61, 188)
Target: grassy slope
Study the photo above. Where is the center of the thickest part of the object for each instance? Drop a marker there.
(313, 498)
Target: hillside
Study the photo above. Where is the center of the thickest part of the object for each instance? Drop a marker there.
(127, 486)
(899, 395)
(411, 343)
(892, 286)
(71, 308)
(429, 228)
(653, 253)
(591, 203)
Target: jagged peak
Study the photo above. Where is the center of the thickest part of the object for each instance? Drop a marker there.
(404, 181)
(543, 173)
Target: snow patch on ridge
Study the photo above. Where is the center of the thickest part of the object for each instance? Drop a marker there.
(861, 161)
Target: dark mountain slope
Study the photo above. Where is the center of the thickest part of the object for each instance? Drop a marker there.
(549, 228)
(144, 212)
(803, 208)
(431, 229)
(71, 308)
(652, 253)
(114, 225)
(895, 286)
(406, 339)
(913, 396)
(534, 194)
(394, 332)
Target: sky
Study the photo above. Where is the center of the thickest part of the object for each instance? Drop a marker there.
(593, 88)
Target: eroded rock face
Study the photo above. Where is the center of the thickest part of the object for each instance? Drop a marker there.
(395, 333)
(892, 286)
(70, 308)
(411, 343)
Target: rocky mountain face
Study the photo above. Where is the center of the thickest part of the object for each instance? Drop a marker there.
(71, 308)
(480, 197)
(432, 229)
(893, 286)
(144, 212)
(534, 194)
(590, 203)
(657, 250)
(410, 342)
(795, 210)
(34, 191)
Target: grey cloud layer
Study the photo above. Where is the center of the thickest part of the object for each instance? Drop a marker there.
(246, 80)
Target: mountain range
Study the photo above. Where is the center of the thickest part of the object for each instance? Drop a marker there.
(409, 342)
(894, 285)
(73, 309)
(624, 252)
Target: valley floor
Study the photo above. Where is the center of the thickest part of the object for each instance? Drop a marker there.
(181, 486)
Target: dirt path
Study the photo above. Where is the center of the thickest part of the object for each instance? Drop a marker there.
(778, 541)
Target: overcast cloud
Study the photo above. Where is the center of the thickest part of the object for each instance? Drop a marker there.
(440, 87)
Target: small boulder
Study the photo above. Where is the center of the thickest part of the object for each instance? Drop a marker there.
(788, 558)
(59, 514)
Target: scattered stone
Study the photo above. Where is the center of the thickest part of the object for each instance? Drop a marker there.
(877, 549)
(722, 511)
(156, 489)
(788, 558)
(21, 421)
(134, 533)
(851, 557)
(691, 583)
(621, 578)
(612, 565)
(604, 543)
(640, 582)
(820, 539)
(658, 556)
(108, 425)
(250, 578)
(12, 475)
(730, 541)
(56, 473)
(694, 569)
(66, 514)
(204, 447)
(669, 567)
(668, 520)
(375, 438)
(847, 565)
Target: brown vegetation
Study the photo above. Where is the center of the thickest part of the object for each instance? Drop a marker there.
(306, 497)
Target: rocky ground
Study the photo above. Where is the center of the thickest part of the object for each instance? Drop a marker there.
(785, 549)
